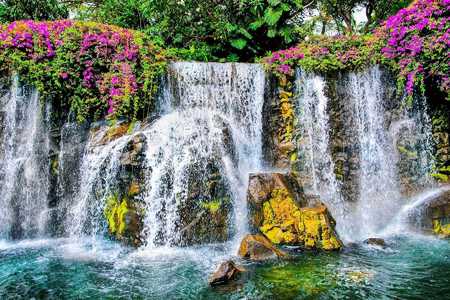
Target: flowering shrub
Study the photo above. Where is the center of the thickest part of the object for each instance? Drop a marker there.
(418, 39)
(90, 69)
(414, 43)
(324, 54)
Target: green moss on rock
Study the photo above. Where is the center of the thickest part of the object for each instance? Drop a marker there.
(124, 220)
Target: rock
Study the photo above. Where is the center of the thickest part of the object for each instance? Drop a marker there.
(226, 272)
(257, 247)
(133, 152)
(206, 210)
(277, 209)
(375, 242)
(124, 220)
(260, 188)
(434, 217)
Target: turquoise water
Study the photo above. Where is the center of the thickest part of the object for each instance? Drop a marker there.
(412, 267)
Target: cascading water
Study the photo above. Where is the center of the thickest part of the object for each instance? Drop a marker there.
(314, 150)
(210, 122)
(98, 172)
(24, 179)
(213, 112)
(379, 189)
(370, 137)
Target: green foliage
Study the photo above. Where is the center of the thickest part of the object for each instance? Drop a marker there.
(342, 12)
(11, 10)
(227, 30)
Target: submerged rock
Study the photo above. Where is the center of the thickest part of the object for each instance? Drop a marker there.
(276, 210)
(375, 242)
(258, 247)
(226, 272)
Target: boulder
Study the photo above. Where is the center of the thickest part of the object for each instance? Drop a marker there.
(260, 188)
(257, 247)
(375, 242)
(277, 208)
(226, 272)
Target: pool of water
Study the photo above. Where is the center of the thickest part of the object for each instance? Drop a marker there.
(411, 267)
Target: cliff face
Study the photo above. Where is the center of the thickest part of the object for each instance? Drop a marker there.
(179, 175)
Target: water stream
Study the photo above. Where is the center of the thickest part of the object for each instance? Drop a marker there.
(24, 175)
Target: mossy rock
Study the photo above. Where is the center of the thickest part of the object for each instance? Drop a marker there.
(124, 220)
(279, 212)
(443, 230)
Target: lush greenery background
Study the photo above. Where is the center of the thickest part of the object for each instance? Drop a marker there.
(229, 30)
(93, 68)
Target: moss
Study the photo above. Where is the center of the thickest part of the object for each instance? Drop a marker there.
(54, 165)
(440, 177)
(116, 211)
(134, 189)
(441, 229)
(408, 153)
(110, 213)
(214, 205)
(286, 223)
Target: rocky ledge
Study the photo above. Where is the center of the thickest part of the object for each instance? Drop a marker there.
(280, 211)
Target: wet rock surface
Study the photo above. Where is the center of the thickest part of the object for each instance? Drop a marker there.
(438, 214)
(257, 247)
(375, 242)
(226, 272)
(277, 208)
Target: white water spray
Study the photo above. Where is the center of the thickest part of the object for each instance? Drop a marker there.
(24, 180)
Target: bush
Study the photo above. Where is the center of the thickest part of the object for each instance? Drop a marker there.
(91, 69)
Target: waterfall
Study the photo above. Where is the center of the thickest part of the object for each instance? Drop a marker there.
(317, 168)
(98, 174)
(24, 177)
(379, 190)
(210, 124)
(213, 113)
(365, 194)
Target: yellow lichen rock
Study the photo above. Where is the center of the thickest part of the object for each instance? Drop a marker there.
(441, 230)
(123, 220)
(286, 223)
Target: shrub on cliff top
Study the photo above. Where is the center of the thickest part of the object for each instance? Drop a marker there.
(91, 69)
(414, 43)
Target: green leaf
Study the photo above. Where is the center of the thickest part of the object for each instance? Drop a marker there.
(271, 33)
(245, 33)
(239, 43)
(272, 16)
(274, 2)
(257, 24)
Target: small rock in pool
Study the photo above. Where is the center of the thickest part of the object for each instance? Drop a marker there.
(226, 272)
(257, 247)
(375, 242)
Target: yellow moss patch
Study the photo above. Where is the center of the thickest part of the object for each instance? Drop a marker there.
(213, 206)
(286, 223)
(115, 213)
(439, 229)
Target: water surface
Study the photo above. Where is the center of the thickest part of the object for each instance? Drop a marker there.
(412, 267)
